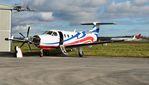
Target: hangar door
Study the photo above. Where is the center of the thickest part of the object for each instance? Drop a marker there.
(5, 30)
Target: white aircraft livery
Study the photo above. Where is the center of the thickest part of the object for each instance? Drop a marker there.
(61, 39)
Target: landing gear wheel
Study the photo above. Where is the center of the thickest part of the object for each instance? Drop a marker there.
(41, 53)
(44, 53)
(15, 53)
(80, 52)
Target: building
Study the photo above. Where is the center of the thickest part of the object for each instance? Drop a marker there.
(5, 28)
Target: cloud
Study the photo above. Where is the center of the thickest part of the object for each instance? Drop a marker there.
(140, 2)
(76, 11)
(67, 10)
(23, 18)
(127, 9)
(22, 28)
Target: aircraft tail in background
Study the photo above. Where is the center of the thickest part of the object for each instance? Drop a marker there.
(136, 37)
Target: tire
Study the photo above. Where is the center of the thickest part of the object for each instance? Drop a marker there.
(81, 53)
(15, 53)
(44, 53)
(41, 53)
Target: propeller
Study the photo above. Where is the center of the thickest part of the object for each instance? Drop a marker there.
(26, 39)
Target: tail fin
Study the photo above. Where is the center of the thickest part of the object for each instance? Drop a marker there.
(139, 36)
(95, 29)
(96, 25)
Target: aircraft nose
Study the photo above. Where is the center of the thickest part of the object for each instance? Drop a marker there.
(36, 40)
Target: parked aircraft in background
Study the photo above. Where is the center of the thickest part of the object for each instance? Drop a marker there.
(138, 37)
(145, 38)
(61, 39)
(128, 38)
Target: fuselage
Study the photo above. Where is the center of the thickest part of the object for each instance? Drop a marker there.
(54, 38)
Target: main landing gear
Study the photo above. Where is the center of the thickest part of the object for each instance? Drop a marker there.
(80, 52)
(63, 50)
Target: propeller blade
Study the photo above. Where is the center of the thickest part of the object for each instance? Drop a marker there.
(28, 31)
(28, 8)
(22, 35)
(29, 47)
(22, 44)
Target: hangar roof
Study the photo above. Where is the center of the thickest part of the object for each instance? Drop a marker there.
(5, 7)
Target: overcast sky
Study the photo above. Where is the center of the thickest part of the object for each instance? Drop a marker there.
(131, 16)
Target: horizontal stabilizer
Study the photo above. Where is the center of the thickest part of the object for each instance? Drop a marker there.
(97, 23)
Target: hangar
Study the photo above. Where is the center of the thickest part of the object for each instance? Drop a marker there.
(5, 28)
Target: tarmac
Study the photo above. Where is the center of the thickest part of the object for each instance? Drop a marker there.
(74, 71)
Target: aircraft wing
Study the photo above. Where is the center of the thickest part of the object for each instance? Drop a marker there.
(95, 43)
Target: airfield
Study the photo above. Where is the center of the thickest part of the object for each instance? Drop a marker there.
(106, 64)
(113, 64)
(74, 71)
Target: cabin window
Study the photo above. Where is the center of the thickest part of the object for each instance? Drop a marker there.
(65, 35)
(68, 36)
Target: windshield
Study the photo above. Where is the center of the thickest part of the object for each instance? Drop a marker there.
(51, 33)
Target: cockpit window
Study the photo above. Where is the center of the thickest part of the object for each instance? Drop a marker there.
(52, 33)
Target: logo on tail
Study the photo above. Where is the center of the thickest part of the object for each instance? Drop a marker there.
(95, 28)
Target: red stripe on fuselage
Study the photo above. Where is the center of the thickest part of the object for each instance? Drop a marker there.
(82, 40)
(47, 47)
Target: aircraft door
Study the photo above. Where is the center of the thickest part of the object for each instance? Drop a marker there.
(61, 38)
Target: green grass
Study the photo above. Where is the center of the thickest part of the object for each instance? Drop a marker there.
(25, 48)
(127, 49)
(120, 49)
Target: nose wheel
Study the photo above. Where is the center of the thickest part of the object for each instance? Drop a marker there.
(44, 53)
(41, 53)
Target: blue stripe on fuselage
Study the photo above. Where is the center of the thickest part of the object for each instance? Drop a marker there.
(84, 34)
(75, 36)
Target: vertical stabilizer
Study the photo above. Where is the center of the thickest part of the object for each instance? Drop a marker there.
(95, 29)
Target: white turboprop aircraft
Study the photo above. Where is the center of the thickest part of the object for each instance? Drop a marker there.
(61, 39)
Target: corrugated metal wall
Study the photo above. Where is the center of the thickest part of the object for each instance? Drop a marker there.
(5, 30)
